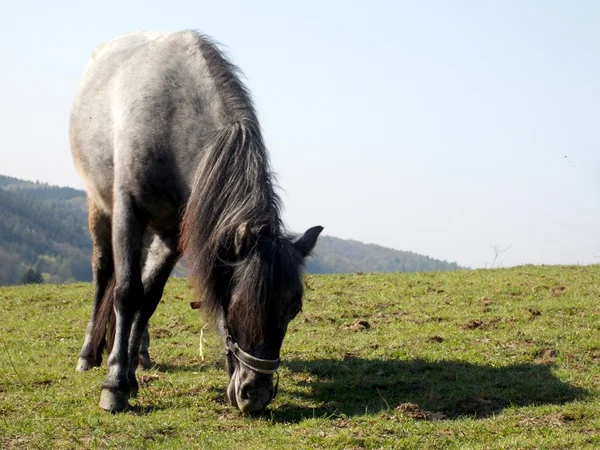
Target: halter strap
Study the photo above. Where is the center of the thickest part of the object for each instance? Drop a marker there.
(266, 366)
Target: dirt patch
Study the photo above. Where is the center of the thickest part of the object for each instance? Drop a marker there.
(485, 301)
(341, 423)
(359, 325)
(478, 324)
(434, 291)
(552, 420)
(411, 411)
(595, 354)
(427, 319)
(436, 339)
(160, 432)
(389, 315)
(534, 312)
(545, 356)
(161, 333)
(555, 291)
(571, 416)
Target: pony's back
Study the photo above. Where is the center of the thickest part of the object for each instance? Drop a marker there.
(146, 107)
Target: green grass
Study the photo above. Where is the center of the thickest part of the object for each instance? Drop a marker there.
(468, 359)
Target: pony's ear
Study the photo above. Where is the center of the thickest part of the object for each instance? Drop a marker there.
(307, 242)
(242, 242)
(246, 237)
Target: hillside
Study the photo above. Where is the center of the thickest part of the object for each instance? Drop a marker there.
(44, 228)
(471, 359)
(335, 255)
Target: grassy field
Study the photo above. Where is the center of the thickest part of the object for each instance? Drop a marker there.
(467, 359)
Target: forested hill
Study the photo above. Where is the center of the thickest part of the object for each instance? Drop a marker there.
(44, 228)
(335, 255)
(44, 235)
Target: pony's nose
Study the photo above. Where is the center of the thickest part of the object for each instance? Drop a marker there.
(254, 399)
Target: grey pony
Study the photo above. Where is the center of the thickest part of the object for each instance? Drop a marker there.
(166, 140)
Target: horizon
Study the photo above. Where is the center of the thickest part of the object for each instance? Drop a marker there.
(438, 129)
(324, 234)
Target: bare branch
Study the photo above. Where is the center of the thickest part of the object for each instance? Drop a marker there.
(497, 250)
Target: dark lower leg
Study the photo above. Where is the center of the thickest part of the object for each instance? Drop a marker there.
(144, 362)
(160, 261)
(102, 266)
(118, 382)
(128, 231)
(89, 356)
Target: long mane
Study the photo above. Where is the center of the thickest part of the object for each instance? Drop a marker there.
(233, 185)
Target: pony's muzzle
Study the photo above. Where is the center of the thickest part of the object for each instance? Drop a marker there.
(254, 399)
(251, 392)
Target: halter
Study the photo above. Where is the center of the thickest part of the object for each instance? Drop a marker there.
(264, 366)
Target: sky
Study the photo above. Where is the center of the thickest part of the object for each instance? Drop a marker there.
(442, 128)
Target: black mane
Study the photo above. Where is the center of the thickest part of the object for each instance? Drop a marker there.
(234, 186)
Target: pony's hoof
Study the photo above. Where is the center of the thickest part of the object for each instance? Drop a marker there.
(144, 362)
(86, 364)
(114, 401)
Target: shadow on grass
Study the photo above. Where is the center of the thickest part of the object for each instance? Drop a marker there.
(167, 367)
(139, 410)
(357, 386)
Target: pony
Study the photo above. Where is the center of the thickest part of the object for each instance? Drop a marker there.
(165, 138)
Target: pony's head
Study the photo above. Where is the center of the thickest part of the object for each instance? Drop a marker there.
(264, 295)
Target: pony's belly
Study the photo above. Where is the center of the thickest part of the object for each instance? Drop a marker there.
(161, 200)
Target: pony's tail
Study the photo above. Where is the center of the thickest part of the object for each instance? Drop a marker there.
(103, 333)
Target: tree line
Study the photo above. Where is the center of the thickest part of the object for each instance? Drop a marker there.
(44, 238)
(43, 231)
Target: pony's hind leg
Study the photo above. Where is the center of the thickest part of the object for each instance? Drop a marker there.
(102, 267)
(127, 237)
(162, 256)
(145, 362)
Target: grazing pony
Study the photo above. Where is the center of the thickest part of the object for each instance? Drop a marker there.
(166, 140)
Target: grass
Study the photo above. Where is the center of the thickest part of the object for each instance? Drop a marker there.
(469, 359)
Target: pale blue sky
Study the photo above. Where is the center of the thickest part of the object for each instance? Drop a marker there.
(440, 127)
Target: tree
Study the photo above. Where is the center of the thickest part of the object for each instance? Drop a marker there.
(32, 276)
(497, 250)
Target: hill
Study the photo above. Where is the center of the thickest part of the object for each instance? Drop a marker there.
(472, 359)
(335, 255)
(43, 228)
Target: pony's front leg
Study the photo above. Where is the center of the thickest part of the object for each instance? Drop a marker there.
(162, 256)
(128, 232)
